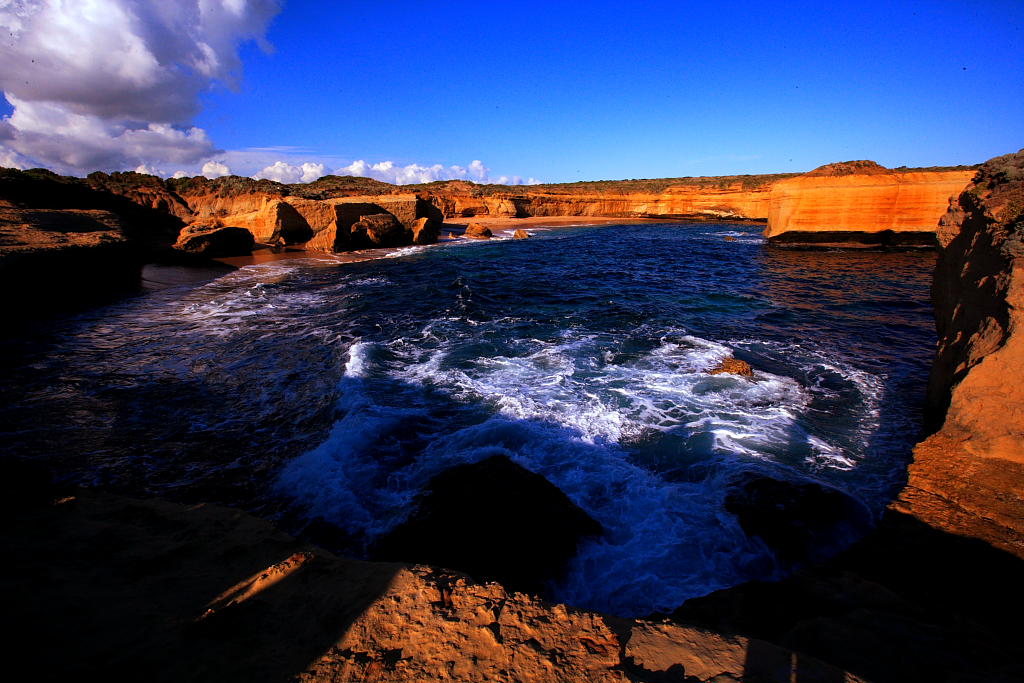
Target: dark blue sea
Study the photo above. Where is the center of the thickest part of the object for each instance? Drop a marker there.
(300, 390)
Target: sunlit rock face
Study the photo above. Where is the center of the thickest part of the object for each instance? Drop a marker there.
(730, 200)
(860, 197)
(968, 477)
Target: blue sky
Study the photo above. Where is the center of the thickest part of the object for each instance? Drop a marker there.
(572, 91)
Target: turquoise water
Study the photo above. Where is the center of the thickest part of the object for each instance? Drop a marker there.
(302, 391)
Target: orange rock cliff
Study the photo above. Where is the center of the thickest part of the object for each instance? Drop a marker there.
(968, 477)
(858, 201)
(845, 202)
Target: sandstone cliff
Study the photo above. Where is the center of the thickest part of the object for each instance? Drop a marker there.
(64, 240)
(968, 477)
(859, 201)
(733, 197)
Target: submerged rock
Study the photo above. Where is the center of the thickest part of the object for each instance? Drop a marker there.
(477, 231)
(495, 521)
(799, 521)
(732, 366)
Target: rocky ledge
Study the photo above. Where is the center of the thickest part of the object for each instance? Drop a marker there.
(149, 590)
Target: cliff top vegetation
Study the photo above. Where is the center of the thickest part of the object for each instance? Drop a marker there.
(331, 186)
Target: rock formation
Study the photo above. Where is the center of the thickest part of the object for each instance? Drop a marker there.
(63, 241)
(425, 230)
(520, 234)
(377, 230)
(495, 521)
(478, 231)
(861, 202)
(215, 242)
(799, 521)
(149, 590)
(732, 366)
(968, 477)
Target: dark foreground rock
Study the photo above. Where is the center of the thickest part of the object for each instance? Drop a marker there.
(131, 590)
(799, 521)
(495, 521)
(906, 603)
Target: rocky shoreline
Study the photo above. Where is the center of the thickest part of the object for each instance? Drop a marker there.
(53, 225)
(155, 590)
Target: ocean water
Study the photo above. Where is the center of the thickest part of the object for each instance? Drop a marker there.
(299, 389)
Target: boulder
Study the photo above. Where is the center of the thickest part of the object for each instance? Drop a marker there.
(216, 242)
(378, 230)
(732, 366)
(798, 520)
(477, 231)
(495, 521)
(520, 234)
(425, 231)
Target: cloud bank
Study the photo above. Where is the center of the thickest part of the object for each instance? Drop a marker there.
(387, 171)
(113, 84)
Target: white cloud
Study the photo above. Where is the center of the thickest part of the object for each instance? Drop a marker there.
(283, 172)
(215, 169)
(52, 136)
(113, 84)
(390, 172)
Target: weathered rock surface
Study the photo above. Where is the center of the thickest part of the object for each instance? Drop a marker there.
(968, 477)
(520, 234)
(215, 241)
(495, 521)
(63, 242)
(852, 201)
(147, 590)
(378, 230)
(332, 220)
(478, 231)
(425, 230)
(146, 190)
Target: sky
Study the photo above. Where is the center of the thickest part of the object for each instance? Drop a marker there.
(506, 92)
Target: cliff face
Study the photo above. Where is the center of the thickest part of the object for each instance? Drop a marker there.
(860, 197)
(731, 201)
(968, 477)
(63, 240)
